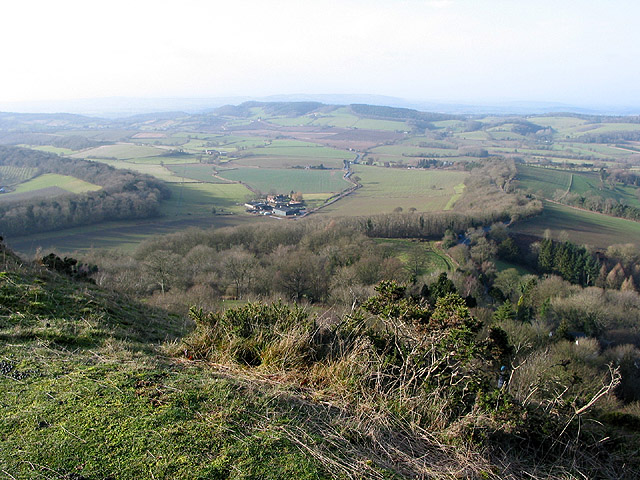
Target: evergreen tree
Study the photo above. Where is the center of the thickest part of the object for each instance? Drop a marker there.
(546, 256)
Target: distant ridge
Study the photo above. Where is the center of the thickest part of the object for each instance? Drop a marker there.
(121, 107)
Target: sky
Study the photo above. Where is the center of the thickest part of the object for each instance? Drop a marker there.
(579, 52)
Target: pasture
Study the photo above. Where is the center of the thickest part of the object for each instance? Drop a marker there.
(294, 148)
(432, 258)
(123, 235)
(159, 171)
(414, 151)
(549, 181)
(65, 182)
(545, 180)
(580, 226)
(120, 151)
(286, 180)
(284, 162)
(385, 189)
(202, 198)
(375, 124)
(196, 171)
(51, 149)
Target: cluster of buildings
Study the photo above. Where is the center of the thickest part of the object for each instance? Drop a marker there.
(278, 205)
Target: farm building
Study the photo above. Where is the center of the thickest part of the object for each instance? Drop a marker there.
(286, 211)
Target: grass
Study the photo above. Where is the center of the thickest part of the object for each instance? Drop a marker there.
(159, 171)
(435, 260)
(545, 180)
(581, 227)
(549, 181)
(65, 182)
(52, 149)
(196, 171)
(164, 160)
(120, 151)
(375, 124)
(459, 189)
(384, 189)
(414, 151)
(339, 117)
(502, 265)
(202, 198)
(299, 149)
(276, 161)
(88, 393)
(124, 236)
(281, 180)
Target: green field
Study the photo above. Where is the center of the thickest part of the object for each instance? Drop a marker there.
(299, 149)
(545, 180)
(122, 235)
(287, 180)
(51, 149)
(385, 189)
(414, 151)
(196, 171)
(121, 151)
(581, 227)
(477, 136)
(285, 161)
(291, 121)
(340, 117)
(10, 175)
(550, 180)
(65, 182)
(375, 124)
(155, 170)
(201, 198)
(432, 256)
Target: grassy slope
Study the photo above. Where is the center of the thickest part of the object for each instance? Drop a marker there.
(62, 183)
(582, 227)
(87, 393)
(545, 180)
(435, 259)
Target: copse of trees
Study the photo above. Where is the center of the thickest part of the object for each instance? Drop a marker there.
(573, 263)
(124, 195)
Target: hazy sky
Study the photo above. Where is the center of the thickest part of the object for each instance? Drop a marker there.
(572, 51)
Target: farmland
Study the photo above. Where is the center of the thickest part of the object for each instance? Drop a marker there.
(581, 227)
(283, 180)
(209, 160)
(10, 175)
(552, 182)
(64, 182)
(162, 172)
(385, 189)
(120, 152)
(203, 198)
(196, 172)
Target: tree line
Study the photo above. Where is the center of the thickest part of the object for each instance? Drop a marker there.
(124, 195)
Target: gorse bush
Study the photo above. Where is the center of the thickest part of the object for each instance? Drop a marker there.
(256, 334)
(428, 366)
(396, 352)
